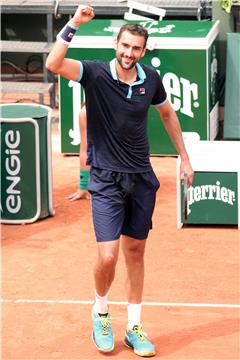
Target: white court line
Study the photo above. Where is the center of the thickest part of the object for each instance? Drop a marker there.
(146, 303)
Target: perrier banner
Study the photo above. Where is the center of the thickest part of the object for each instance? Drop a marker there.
(213, 199)
(185, 55)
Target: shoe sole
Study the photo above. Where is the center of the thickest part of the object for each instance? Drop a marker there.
(100, 349)
(149, 354)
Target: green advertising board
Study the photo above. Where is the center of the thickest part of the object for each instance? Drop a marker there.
(213, 198)
(231, 129)
(26, 173)
(185, 55)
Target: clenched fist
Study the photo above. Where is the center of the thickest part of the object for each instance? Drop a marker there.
(82, 15)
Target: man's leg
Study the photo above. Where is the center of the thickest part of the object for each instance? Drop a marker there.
(104, 270)
(133, 251)
(104, 273)
(135, 338)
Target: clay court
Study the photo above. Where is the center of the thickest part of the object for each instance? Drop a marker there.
(191, 286)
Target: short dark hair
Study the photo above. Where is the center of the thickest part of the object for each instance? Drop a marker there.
(135, 29)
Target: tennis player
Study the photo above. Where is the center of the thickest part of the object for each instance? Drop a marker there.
(122, 183)
(82, 191)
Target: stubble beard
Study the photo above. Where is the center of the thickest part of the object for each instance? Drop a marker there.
(125, 66)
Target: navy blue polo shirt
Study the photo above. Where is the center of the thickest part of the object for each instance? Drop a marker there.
(117, 115)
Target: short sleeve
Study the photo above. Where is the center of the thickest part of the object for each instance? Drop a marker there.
(80, 71)
(87, 71)
(160, 95)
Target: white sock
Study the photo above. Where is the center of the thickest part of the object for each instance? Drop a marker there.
(134, 315)
(101, 303)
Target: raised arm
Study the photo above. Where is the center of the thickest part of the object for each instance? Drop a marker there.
(56, 61)
(172, 126)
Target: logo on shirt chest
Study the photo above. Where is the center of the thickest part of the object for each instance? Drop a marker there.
(142, 91)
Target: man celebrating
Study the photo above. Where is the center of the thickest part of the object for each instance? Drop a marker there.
(122, 183)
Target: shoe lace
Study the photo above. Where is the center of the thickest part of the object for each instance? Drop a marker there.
(140, 333)
(105, 323)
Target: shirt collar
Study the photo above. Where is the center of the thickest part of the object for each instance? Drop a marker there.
(141, 73)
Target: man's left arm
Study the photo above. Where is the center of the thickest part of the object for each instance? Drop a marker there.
(173, 128)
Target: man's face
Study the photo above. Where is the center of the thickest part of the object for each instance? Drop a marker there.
(130, 49)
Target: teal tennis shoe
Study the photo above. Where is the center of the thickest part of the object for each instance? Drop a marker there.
(136, 339)
(102, 332)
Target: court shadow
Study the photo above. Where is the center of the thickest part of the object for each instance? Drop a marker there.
(175, 341)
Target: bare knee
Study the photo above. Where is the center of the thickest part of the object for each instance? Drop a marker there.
(134, 253)
(108, 262)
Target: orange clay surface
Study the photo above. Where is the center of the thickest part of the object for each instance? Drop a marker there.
(52, 261)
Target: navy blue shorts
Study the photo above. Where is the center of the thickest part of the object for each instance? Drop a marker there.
(122, 203)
